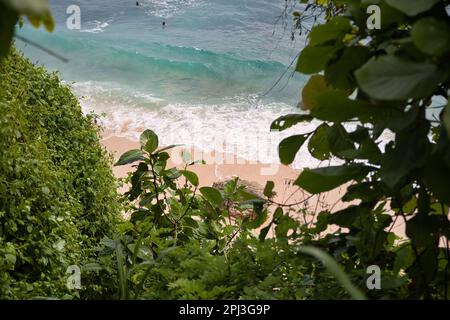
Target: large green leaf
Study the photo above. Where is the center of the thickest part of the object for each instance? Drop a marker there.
(367, 147)
(365, 191)
(325, 179)
(400, 120)
(404, 258)
(411, 151)
(314, 59)
(340, 143)
(333, 30)
(391, 78)
(285, 122)
(412, 7)
(391, 16)
(149, 141)
(340, 73)
(334, 105)
(289, 147)
(130, 157)
(212, 195)
(347, 217)
(318, 144)
(423, 230)
(431, 36)
(264, 231)
(190, 176)
(313, 89)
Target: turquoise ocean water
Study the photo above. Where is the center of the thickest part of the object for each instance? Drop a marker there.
(215, 77)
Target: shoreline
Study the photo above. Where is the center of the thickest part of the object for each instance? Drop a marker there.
(227, 166)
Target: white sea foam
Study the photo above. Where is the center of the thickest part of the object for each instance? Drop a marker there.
(96, 26)
(239, 125)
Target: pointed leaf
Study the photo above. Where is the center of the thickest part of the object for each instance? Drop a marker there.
(325, 179)
(149, 141)
(314, 59)
(334, 30)
(268, 189)
(285, 122)
(289, 147)
(318, 144)
(130, 157)
(190, 176)
(212, 195)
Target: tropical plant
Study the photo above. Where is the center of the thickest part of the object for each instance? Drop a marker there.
(381, 96)
(182, 244)
(58, 195)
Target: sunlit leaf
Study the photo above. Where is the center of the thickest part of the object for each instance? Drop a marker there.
(149, 141)
(130, 157)
(190, 176)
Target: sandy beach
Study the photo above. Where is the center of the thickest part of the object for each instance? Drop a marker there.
(222, 167)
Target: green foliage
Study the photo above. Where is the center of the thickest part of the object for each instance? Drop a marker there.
(328, 178)
(336, 270)
(57, 192)
(383, 81)
(392, 78)
(186, 242)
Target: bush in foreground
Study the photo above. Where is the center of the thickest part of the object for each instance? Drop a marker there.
(57, 191)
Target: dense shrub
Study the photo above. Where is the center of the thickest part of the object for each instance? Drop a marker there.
(57, 192)
(186, 242)
(381, 96)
